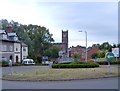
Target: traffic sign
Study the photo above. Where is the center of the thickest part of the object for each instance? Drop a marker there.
(109, 56)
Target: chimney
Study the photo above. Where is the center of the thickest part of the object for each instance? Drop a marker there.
(9, 28)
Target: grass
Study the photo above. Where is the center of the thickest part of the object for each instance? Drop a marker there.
(61, 74)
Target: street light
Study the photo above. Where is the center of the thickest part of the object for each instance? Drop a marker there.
(86, 44)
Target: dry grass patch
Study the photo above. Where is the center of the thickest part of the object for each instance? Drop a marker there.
(58, 74)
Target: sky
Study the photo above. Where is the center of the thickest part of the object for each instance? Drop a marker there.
(98, 19)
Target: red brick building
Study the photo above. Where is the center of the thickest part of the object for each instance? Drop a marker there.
(81, 50)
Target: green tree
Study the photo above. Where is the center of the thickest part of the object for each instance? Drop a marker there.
(36, 37)
(105, 46)
(94, 55)
(118, 45)
(114, 46)
(52, 52)
(76, 56)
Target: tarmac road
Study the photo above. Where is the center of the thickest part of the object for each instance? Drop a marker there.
(103, 83)
(21, 68)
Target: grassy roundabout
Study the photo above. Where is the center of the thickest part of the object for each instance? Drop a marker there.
(62, 74)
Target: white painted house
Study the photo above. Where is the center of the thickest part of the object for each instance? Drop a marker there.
(11, 47)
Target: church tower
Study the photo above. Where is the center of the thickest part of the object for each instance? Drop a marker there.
(65, 39)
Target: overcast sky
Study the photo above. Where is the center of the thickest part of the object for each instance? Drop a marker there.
(98, 19)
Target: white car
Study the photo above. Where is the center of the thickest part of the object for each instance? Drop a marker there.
(28, 61)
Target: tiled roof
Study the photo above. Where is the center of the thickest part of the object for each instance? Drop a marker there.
(12, 34)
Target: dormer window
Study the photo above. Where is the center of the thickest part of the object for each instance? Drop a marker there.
(15, 38)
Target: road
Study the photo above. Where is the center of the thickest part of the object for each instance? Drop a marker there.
(103, 83)
(21, 68)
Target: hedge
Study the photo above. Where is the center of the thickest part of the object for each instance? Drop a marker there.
(106, 62)
(87, 65)
(73, 63)
(5, 63)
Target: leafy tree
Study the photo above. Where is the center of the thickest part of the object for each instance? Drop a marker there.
(99, 54)
(94, 55)
(75, 56)
(96, 45)
(118, 45)
(4, 23)
(36, 37)
(105, 46)
(114, 46)
(52, 52)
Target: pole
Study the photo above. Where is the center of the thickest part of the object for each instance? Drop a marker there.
(86, 46)
(109, 67)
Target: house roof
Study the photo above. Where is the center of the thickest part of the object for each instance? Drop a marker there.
(3, 40)
(23, 44)
(12, 34)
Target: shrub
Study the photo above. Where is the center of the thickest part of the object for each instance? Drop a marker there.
(17, 64)
(66, 63)
(87, 65)
(103, 62)
(73, 63)
(5, 63)
(106, 62)
(115, 62)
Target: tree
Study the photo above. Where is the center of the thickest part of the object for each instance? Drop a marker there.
(36, 37)
(4, 23)
(105, 46)
(94, 55)
(75, 56)
(96, 45)
(114, 46)
(118, 45)
(52, 52)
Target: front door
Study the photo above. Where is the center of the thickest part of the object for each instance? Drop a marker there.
(16, 59)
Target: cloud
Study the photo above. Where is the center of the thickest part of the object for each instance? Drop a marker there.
(100, 20)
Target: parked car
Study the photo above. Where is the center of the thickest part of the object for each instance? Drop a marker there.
(28, 61)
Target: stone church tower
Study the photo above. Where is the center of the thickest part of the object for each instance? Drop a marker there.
(65, 39)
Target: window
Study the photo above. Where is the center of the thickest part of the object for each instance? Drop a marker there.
(4, 48)
(15, 38)
(24, 57)
(24, 49)
(16, 49)
(4, 36)
(11, 48)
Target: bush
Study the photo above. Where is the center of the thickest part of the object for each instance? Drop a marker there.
(103, 63)
(87, 65)
(115, 62)
(66, 63)
(5, 63)
(73, 63)
(17, 64)
(106, 62)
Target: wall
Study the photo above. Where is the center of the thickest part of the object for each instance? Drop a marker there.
(17, 52)
(24, 52)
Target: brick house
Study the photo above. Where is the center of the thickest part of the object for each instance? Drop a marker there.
(81, 50)
(92, 50)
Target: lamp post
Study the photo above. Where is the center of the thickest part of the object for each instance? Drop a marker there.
(86, 45)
